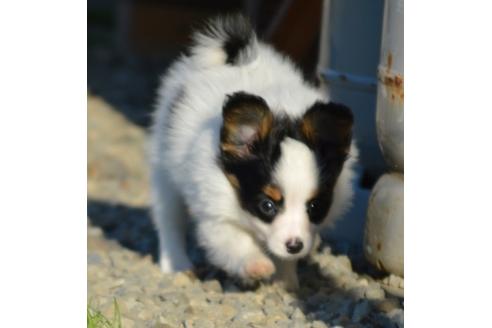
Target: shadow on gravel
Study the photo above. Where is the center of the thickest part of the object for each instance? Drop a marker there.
(319, 298)
(130, 226)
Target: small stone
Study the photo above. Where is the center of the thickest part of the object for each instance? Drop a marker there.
(226, 312)
(396, 317)
(188, 323)
(272, 299)
(344, 262)
(127, 323)
(282, 324)
(117, 283)
(374, 292)
(387, 305)
(212, 286)
(162, 325)
(358, 292)
(168, 321)
(93, 259)
(214, 297)
(175, 298)
(203, 323)
(181, 279)
(250, 316)
(345, 308)
(275, 317)
(145, 315)
(361, 310)
(394, 281)
(297, 323)
(287, 298)
(318, 324)
(298, 315)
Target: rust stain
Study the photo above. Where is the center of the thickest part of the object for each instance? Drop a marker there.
(394, 85)
(389, 62)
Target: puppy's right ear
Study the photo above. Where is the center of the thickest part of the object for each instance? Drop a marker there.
(246, 120)
(327, 127)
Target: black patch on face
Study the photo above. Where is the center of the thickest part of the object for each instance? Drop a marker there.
(327, 130)
(252, 158)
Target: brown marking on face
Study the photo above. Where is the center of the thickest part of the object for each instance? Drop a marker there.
(314, 194)
(266, 125)
(273, 192)
(235, 150)
(233, 180)
(307, 129)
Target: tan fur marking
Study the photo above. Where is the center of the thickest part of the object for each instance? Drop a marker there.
(266, 125)
(307, 129)
(273, 192)
(233, 180)
(314, 194)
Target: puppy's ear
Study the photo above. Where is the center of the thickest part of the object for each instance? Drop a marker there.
(246, 120)
(328, 127)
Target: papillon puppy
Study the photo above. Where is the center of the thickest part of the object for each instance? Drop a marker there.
(260, 158)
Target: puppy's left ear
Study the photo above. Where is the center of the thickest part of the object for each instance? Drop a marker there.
(247, 120)
(328, 126)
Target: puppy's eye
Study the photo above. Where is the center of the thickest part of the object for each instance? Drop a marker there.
(267, 207)
(312, 207)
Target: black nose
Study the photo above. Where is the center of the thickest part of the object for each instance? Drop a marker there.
(294, 245)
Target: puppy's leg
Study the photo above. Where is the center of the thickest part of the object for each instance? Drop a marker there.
(169, 216)
(286, 274)
(234, 250)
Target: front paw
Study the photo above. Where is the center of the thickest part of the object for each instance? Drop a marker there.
(258, 269)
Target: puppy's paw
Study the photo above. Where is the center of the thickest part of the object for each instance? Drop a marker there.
(258, 269)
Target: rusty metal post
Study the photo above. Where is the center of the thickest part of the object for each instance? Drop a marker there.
(389, 113)
(383, 237)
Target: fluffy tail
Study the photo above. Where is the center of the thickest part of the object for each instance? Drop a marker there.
(225, 40)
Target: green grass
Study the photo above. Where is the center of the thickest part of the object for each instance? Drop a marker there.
(95, 319)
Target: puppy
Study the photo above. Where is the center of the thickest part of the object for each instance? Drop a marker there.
(261, 158)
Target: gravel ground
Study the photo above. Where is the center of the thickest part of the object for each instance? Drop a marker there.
(121, 258)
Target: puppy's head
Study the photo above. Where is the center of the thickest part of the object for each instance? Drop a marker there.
(284, 170)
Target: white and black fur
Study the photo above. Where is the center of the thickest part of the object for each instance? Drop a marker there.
(261, 158)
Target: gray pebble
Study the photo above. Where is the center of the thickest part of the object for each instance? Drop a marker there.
(212, 286)
(203, 323)
(298, 315)
(250, 316)
(374, 292)
(318, 324)
(361, 310)
(396, 317)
